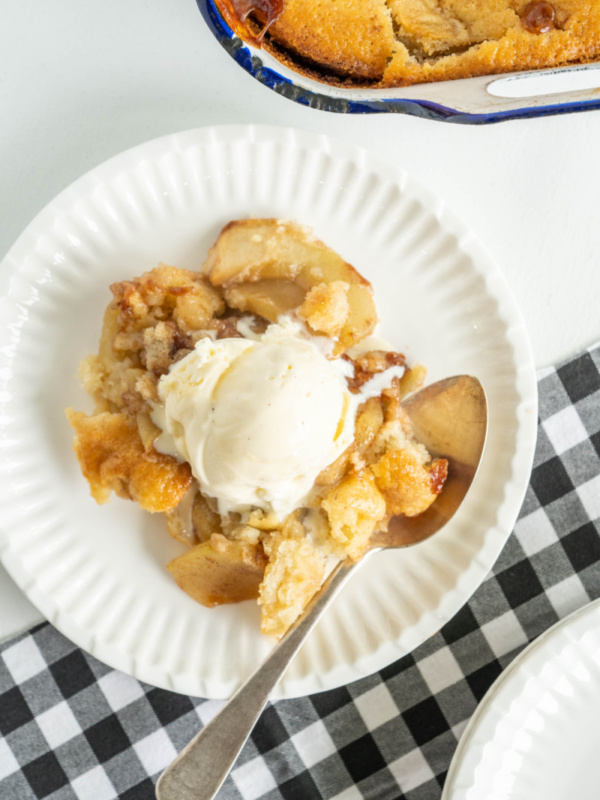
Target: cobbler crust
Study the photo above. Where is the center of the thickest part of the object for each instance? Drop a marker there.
(387, 43)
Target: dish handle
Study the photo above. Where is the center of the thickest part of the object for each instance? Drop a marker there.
(507, 95)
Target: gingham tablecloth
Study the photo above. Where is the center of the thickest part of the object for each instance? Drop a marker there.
(71, 727)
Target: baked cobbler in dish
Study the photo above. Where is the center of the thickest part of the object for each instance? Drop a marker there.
(386, 43)
(251, 404)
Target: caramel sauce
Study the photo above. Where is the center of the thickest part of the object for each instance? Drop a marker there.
(181, 341)
(371, 363)
(237, 14)
(438, 475)
(177, 291)
(538, 17)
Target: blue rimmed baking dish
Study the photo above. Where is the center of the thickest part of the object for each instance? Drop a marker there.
(490, 98)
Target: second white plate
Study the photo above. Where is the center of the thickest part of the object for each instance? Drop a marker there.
(98, 573)
(535, 734)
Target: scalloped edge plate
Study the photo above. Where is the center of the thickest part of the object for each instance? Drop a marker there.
(534, 735)
(97, 573)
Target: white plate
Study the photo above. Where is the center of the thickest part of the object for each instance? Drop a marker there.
(535, 734)
(97, 572)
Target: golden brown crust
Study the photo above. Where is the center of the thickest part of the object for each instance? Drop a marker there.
(517, 49)
(354, 508)
(408, 486)
(112, 457)
(312, 30)
(326, 308)
(404, 42)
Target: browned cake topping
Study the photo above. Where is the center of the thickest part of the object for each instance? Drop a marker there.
(386, 43)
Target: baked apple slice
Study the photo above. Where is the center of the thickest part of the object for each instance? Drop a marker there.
(220, 571)
(268, 266)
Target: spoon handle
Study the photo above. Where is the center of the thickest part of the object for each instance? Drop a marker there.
(199, 770)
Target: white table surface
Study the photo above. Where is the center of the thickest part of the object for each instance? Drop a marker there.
(80, 82)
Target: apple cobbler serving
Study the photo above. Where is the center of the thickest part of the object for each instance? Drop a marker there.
(251, 404)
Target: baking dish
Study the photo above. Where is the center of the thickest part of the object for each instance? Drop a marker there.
(490, 98)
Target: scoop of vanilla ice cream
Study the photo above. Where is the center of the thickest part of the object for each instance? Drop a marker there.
(257, 419)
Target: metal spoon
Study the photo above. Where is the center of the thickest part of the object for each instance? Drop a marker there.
(450, 419)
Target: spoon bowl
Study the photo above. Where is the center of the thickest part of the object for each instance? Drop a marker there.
(450, 419)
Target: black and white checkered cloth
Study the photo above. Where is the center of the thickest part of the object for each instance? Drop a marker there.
(70, 727)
